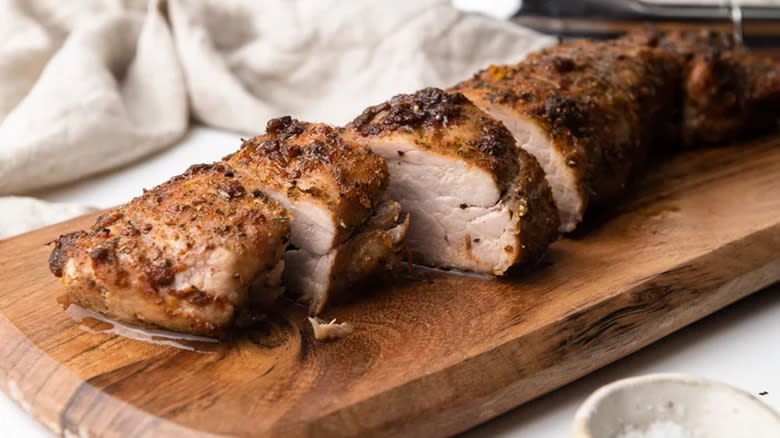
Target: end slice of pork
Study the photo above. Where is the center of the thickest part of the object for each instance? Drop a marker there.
(475, 202)
(187, 255)
(334, 190)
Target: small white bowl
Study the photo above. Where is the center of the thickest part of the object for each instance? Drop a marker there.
(672, 406)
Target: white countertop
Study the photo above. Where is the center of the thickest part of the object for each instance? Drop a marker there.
(737, 345)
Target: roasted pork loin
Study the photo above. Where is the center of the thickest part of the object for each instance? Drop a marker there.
(476, 202)
(185, 256)
(478, 170)
(343, 231)
(588, 111)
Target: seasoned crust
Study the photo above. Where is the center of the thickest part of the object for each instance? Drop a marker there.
(446, 123)
(429, 107)
(314, 162)
(532, 201)
(62, 248)
(162, 259)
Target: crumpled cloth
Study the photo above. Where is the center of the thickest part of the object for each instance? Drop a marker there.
(88, 86)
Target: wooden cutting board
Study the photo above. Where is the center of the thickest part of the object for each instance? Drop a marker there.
(432, 354)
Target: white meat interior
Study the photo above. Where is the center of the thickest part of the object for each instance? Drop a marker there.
(561, 178)
(313, 226)
(315, 278)
(456, 217)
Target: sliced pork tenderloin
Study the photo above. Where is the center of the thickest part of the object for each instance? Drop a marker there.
(342, 230)
(187, 255)
(476, 202)
(588, 111)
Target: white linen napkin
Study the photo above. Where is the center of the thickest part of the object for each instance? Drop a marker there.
(88, 86)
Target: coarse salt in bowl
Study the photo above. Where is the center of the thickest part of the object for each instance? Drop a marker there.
(673, 406)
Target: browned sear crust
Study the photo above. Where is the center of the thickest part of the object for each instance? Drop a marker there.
(312, 162)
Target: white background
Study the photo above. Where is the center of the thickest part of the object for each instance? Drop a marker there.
(738, 345)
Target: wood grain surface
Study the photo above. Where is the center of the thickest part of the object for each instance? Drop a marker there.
(433, 353)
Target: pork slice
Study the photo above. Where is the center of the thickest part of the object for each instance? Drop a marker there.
(555, 158)
(375, 248)
(475, 202)
(328, 185)
(334, 189)
(590, 112)
(187, 255)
